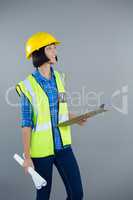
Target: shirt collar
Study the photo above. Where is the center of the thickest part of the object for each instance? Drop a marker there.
(40, 77)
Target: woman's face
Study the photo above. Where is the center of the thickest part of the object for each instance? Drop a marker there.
(51, 53)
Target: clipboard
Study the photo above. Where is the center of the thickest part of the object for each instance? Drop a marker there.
(74, 120)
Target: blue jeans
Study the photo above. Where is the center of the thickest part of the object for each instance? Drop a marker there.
(67, 166)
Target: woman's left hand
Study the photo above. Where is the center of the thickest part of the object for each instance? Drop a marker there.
(82, 121)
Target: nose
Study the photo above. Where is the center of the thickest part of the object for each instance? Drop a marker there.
(54, 50)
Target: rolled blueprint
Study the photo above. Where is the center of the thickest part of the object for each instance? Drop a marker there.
(37, 179)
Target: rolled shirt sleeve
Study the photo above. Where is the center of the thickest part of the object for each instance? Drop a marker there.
(26, 112)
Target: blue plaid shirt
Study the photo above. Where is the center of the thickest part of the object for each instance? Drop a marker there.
(50, 88)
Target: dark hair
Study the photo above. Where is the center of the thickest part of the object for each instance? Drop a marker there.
(39, 57)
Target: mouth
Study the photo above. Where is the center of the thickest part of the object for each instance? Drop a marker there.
(53, 59)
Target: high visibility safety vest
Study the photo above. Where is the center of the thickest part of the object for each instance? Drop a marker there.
(42, 141)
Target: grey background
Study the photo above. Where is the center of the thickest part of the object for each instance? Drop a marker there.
(96, 53)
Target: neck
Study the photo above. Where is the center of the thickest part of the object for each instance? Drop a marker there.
(45, 70)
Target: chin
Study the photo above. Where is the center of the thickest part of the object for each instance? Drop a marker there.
(53, 62)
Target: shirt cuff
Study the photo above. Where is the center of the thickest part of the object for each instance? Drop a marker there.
(26, 123)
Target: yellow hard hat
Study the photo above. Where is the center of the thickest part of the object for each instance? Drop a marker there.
(38, 40)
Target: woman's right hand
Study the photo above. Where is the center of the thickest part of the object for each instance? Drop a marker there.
(27, 163)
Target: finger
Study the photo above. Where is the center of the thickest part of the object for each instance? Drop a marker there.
(26, 170)
(32, 166)
(81, 123)
(85, 119)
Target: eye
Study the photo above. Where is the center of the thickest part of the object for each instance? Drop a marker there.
(48, 48)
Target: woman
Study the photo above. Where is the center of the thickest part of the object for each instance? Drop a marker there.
(43, 106)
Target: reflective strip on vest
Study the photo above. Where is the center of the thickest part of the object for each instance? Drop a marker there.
(29, 88)
(43, 127)
(63, 118)
(46, 126)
